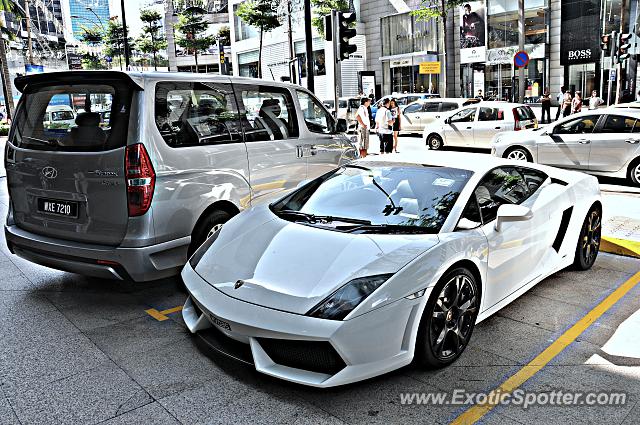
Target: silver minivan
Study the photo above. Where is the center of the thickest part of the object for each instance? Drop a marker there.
(129, 194)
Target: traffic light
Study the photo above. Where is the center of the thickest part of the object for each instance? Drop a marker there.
(623, 46)
(345, 33)
(605, 42)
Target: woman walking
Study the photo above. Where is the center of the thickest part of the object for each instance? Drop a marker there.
(567, 102)
(395, 112)
(546, 107)
(576, 103)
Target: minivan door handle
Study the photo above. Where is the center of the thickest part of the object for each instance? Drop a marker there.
(632, 141)
(584, 141)
(299, 151)
(313, 149)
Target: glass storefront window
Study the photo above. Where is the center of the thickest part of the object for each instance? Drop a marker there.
(403, 34)
(503, 28)
(583, 77)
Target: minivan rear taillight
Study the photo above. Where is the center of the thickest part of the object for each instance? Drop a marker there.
(141, 179)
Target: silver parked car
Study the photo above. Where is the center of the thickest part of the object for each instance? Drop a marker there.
(418, 114)
(603, 142)
(176, 156)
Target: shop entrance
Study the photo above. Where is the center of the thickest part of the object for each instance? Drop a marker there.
(582, 77)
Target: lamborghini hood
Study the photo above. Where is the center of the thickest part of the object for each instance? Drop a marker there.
(262, 259)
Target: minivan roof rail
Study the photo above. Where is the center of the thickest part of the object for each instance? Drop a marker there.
(77, 77)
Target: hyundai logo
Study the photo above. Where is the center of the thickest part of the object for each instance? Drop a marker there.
(50, 172)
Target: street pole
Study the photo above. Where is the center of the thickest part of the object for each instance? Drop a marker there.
(292, 75)
(337, 77)
(619, 65)
(125, 36)
(309, 46)
(521, 29)
(27, 17)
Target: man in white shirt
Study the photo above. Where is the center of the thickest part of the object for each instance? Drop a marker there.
(364, 124)
(384, 125)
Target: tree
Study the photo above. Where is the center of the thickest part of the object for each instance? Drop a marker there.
(7, 6)
(151, 25)
(323, 8)
(224, 36)
(261, 14)
(192, 27)
(92, 37)
(434, 9)
(114, 40)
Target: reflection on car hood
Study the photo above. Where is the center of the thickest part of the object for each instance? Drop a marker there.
(291, 266)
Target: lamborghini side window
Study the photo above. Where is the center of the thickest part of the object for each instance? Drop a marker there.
(472, 212)
(506, 185)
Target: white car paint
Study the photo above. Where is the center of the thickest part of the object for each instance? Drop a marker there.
(418, 114)
(600, 153)
(465, 127)
(287, 267)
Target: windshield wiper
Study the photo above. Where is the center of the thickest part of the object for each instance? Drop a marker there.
(387, 228)
(313, 219)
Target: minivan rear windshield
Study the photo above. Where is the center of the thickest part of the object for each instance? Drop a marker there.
(78, 117)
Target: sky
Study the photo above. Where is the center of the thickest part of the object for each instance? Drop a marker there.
(132, 9)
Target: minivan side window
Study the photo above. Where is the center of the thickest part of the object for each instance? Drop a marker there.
(269, 113)
(490, 114)
(414, 107)
(466, 115)
(316, 117)
(431, 106)
(506, 185)
(196, 114)
(448, 106)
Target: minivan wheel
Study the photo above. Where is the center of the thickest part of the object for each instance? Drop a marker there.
(448, 319)
(634, 172)
(207, 227)
(434, 142)
(518, 154)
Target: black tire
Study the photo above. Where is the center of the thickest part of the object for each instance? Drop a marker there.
(204, 227)
(518, 154)
(440, 322)
(434, 142)
(634, 172)
(589, 241)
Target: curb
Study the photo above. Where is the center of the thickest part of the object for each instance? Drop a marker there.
(623, 247)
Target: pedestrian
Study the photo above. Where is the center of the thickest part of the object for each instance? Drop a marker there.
(372, 96)
(479, 95)
(594, 101)
(364, 125)
(395, 112)
(566, 103)
(546, 107)
(384, 126)
(576, 103)
(560, 100)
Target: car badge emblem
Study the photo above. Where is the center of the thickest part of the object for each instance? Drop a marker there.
(50, 172)
(238, 284)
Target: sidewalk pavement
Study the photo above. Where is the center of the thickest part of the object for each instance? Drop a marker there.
(621, 222)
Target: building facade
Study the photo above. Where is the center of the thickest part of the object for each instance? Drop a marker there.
(88, 13)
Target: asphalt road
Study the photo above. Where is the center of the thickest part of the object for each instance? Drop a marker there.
(79, 350)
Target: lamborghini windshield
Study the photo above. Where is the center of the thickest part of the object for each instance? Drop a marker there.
(377, 197)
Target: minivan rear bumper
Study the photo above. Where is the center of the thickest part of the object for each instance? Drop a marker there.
(137, 264)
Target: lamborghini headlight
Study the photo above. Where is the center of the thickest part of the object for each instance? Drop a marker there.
(339, 304)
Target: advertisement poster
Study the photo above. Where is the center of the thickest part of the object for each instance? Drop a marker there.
(472, 32)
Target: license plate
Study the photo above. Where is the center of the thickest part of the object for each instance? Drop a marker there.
(56, 207)
(220, 323)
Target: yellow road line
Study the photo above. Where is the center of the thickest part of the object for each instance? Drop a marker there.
(475, 413)
(162, 315)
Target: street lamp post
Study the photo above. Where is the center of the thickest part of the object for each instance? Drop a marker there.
(124, 32)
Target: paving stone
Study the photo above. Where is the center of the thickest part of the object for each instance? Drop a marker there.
(152, 413)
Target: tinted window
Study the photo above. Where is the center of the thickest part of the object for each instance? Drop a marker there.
(472, 211)
(448, 106)
(416, 107)
(525, 113)
(618, 124)
(466, 115)
(506, 185)
(431, 107)
(317, 118)
(398, 194)
(490, 114)
(194, 114)
(270, 114)
(583, 125)
(69, 117)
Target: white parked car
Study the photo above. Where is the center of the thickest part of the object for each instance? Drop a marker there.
(417, 115)
(475, 125)
(604, 142)
(385, 260)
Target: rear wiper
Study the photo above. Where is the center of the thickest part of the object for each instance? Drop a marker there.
(43, 141)
(312, 218)
(386, 228)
